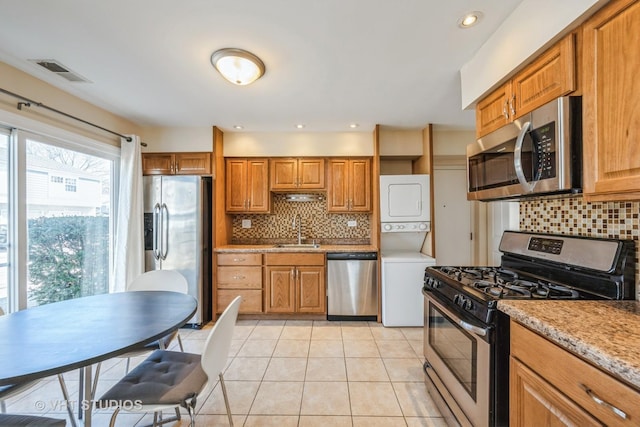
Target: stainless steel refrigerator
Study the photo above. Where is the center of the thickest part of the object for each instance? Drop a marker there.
(178, 233)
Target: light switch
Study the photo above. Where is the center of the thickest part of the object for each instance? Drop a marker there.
(352, 223)
(246, 223)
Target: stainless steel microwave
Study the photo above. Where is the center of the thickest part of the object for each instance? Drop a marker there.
(538, 154)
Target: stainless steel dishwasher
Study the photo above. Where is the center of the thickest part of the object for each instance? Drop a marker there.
(352, 286)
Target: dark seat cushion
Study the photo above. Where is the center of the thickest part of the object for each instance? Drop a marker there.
(11, 420)
(165, 377)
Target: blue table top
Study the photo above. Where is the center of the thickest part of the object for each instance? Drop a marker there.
(58, 337)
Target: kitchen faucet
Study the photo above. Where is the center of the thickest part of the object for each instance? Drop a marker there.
(297, 221)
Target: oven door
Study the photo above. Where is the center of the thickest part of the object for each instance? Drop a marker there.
(458, 360)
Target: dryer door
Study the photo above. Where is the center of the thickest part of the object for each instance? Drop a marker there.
(404, 198)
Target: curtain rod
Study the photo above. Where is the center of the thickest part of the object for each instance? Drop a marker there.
(27, 103)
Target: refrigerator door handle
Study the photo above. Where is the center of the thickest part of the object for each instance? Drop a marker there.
(165, 229)
(156, 229)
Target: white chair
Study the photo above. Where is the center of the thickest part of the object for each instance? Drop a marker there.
(171, 379)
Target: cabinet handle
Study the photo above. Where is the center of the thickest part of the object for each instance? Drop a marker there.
(505, 113)
(293, 274)
(601, 402)
(512, 105)
(177, 166)
(238, 259)
(239, 277)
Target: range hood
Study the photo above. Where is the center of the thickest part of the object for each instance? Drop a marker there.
(304, 197)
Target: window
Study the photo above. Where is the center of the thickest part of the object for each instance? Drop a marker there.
(70, 185)
(4, 209)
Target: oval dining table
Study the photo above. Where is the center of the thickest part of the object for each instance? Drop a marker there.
(78, 333)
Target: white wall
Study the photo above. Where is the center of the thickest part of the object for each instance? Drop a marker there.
(451, 142)
(295, 144)
(532, 27)
(177, 139)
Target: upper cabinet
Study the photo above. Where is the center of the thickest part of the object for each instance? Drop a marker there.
(297, 174)
(551, 75)
(349, 185)
(611, 103)
(176, 163)
(247, 185)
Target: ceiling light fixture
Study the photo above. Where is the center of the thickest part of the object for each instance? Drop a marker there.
(238, 66)
(353, 125)
(470, 19)
(300, 126)
(238, 127)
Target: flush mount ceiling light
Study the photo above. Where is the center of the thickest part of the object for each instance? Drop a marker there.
(238, 66)
(469, 20)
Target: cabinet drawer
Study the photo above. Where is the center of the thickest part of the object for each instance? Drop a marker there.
(571, 375)
(239, 277)
(240, 258)
(294, 258)
(251, 300)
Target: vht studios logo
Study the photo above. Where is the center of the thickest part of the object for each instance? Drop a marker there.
(63, 405)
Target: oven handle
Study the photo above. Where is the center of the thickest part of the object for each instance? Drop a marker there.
(478, 330)
(517, 160)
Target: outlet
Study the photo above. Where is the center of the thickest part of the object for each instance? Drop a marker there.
(352, 223)
(246, 223)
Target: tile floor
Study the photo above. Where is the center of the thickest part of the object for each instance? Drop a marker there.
(289, 373)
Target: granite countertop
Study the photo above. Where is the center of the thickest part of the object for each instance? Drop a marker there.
(606, 333)
(272, 248)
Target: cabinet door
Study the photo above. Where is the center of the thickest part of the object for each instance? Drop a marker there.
(258, 186)
(550, 76)
(311, 174)
(251, 300)
(534, 402)
(492, 112)
(193, 163)
(360, 185)
(157, 163)
(338, 188)
(236, 185)
(611, 157)
(284, 174)
(311, 296)
(280, 290)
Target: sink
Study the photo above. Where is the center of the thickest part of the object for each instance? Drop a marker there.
(298, 245)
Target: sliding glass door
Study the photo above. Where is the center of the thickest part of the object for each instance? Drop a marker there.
(4, 212)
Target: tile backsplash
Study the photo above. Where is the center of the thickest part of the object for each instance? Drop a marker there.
(317, 224)
(573, 216)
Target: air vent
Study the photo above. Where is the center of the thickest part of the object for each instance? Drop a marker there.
(61, 70)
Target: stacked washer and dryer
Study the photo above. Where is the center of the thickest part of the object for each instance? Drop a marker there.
(405, 217)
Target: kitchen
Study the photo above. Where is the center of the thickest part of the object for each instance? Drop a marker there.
(607, 210)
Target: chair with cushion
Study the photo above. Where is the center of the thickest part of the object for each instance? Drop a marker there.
(11, 420)
(171, 379)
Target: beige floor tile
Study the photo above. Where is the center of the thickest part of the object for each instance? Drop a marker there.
(213, 420)
(246, 369)
(405, 370)
(257, 348)
(366, 369)
(317, 323)
(299, 323)
(278, 398)
(271, 322)
(191, 346)
(326, 369)
(286, 369)
(414, 400)
(372, 399)
(236, 345)
(326, 348)
(356, 333)
(296, 332)
(270, 421)
(241, 332)
(266, 332)
(241, 395)
(425, 422)
(292, 348)
(124, 419)
(324, 421)
(320, 399)
(400, 349)
(381, 333)
(417, 347)
(378, 422)
(326, 333)
(413, 334)
(44, 398)
(360, 348)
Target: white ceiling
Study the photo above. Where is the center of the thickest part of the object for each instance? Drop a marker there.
(329, 62)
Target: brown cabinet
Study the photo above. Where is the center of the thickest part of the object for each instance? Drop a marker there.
(247, 185)
(239, 274)
(551, 75)
(568, 391)
(176, 163)
(295, 283)
(611, 105)
(349, 185)
(297, 174)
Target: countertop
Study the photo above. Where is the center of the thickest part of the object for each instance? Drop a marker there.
(272, 248)
(606, 333)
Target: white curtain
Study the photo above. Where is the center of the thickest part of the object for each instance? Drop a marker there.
(129, 246)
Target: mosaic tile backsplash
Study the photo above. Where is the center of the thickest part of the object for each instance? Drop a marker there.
(317, 223)
(573, 216)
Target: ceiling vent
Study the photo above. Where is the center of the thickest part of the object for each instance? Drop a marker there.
(59, 69)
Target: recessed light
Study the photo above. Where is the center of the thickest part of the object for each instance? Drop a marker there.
(300, 126)
(239, 127)
(353, 125)
(470, 19)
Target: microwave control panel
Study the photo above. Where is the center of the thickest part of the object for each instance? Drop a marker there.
(544, 139)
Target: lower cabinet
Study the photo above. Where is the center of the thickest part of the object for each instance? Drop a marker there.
(295, 283)
(239, 274)
(549, 386)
